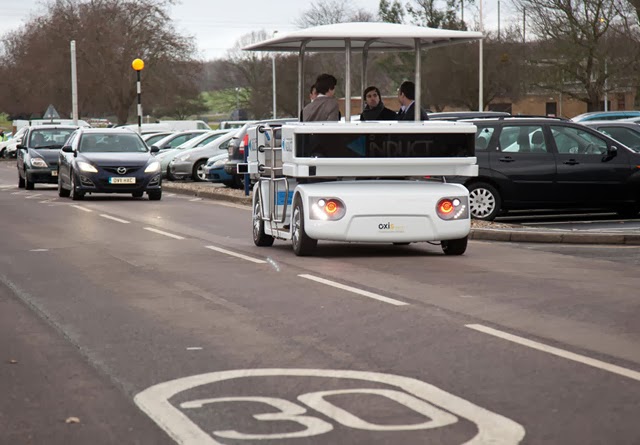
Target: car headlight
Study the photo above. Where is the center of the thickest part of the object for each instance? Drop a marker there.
(153, 167)
(182, 158)
(38, 162)
(86, 167)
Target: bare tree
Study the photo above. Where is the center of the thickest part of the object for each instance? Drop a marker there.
(327, 12)
(576, 45)
(109, 35)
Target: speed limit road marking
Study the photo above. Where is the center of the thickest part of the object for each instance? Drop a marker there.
(438, 407)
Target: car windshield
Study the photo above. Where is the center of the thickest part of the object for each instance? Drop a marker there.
(111, 143)
(49, 138)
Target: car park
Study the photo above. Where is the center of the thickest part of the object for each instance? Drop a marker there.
(214, 171)
(190, 163)
(545, 163)
(167, 156)
(152, 138)
(108, 161)
(606, 115)
(12, 146)
(626, 132)
(174, 140)
(37, 155)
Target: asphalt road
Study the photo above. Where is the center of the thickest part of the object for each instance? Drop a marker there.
(159, 320)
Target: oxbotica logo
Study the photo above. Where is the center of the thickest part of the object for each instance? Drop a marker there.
(390, 227)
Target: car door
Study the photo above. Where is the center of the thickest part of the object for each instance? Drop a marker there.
(587, 174)
(65, 159)
(523, 165)
(22, 154)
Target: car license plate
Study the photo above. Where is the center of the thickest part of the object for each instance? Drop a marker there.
(54, 172)
(122, 180)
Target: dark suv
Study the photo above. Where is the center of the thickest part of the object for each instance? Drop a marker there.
(543, 163)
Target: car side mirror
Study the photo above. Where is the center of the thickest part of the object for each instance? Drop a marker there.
(155, 149)
(20, 147)
(67, 149)
(612, 150)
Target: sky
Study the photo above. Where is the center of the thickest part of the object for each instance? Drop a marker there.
(216, 25)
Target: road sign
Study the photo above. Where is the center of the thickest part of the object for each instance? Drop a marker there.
(51, 113)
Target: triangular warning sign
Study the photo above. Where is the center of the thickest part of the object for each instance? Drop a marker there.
(51, 113)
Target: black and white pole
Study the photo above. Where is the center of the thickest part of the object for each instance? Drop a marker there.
(138, 65)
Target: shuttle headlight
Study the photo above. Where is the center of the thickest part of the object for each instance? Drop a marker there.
(453, 208)
(327, 209)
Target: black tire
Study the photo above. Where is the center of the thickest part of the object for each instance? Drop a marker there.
(401, 244)
(74, 194)
(260, 238)
(454, 246)
(484, 201)
(137, 194)
(228, 184)
(155, 195)
(302, 244)
(170, 176)
(2, 152)
(62, 192)
(20, 181)
(28, 185)
(198, 174)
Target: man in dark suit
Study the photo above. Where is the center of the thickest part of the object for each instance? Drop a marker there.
(407, 96)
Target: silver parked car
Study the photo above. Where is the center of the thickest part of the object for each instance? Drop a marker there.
(192, 162)
(166, 156)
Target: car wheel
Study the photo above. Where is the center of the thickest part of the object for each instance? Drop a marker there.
(302, 244)
(198, 171)
(20, 181)
(454, 246)
(260, 238)
(484, 201)
(74, 194)
(2, 152)
(170, 176)
(28, 185)
(137, 194)
(155, 195)
(62, 192)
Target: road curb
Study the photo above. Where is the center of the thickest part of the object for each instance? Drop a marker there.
(515, 235)
(212, 193)
(526, 236)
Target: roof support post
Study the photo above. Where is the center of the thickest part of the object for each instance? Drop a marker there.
(301, 88)
(347, 81)
(418, 81)
(365, 61)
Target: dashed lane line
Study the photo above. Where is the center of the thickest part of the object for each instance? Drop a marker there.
(355, 290)
(113, 218)
(236, 254)
(84, 209)
(33, 196)
(619, 370)
(170, 235)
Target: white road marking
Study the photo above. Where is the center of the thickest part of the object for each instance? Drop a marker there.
(354, 290)
(194, 348)
(635, 375)
(39, 250)
(84, 209)
(170, 194)
(33, 196)
(113, 218)
(6, 186)
(235, 254)
(170, 235)
(18, 193)
(155, 402)
(195, 199)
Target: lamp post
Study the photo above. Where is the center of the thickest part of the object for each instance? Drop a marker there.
(273, 71)
(138, 65)
(480, 65)
(74, 84)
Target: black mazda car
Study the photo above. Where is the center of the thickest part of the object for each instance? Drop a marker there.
(108, 161)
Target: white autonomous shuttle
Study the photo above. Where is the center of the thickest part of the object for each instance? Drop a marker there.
(361, 181)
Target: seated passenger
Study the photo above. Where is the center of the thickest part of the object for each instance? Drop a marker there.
(325, 106)
(374, 109)
(406, 96)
